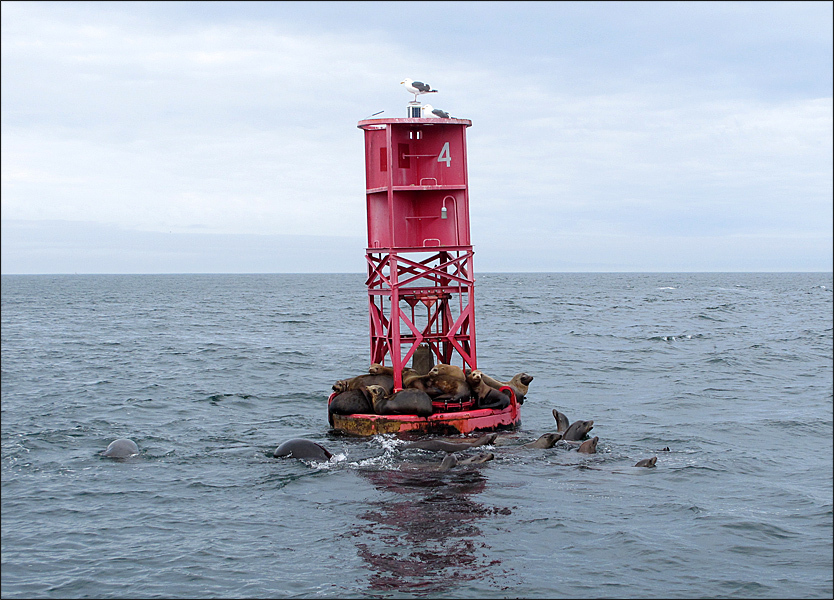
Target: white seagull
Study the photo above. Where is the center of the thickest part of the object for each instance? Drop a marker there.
(417, 87)
(429, 112)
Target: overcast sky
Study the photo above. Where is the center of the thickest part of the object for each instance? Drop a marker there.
(221, 137)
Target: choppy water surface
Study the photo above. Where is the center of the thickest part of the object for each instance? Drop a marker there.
(209, 373)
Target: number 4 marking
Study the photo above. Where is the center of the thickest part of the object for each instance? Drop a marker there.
(445, 155)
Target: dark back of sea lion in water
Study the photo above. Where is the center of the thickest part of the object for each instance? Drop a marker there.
(577, 431)
(351, 402)
(589, 446)
(423, 359)
(647, 462)
(301, 448)
(545, 441)
(562, 422)
(121, 448)
(438, 446)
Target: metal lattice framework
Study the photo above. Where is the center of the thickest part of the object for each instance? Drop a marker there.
(443, 282)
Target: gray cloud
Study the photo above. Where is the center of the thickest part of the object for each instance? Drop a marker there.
(636, 124)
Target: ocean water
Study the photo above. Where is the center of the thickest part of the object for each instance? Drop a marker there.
(209, 373)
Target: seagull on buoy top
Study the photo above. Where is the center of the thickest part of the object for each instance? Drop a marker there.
(429, 112)
(417, 87)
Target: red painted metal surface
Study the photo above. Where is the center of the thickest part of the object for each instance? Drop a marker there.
(421, 283)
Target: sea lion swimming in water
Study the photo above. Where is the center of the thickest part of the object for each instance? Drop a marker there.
(562, 422)
(301, 448)
(451, 461)
(545, 441)
(121, 448)
(647, 462)
(445, 446)
(589, 446)
(577, 431)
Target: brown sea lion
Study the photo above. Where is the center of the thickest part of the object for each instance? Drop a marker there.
(422, 361)
(351, 402)
(520, 383)
(545, 441)
(577, 431)
(451, 381)
(438, 445)
(589, 446)
(486, 396)
(420, 382)
(354, 383)
(477, 459)
(405, 402)
(451, 461)
(647, 462)
(562, 422)
(378, 369)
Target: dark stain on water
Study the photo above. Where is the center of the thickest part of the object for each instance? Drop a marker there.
(726, 378)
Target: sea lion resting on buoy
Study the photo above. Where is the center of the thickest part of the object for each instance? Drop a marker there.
(451, 381)
(546, 441)
(301, 448)
(485, 395)
(520, 383)
(445, 446)
(420, 382)
(589, 446)
(378, 369)
(405, 402)
(647, 462)
(121, 448)
(423, 359)
(352, 402)
(354, 383)
(451, 461)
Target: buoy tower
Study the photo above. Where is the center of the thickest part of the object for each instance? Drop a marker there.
(421, 285)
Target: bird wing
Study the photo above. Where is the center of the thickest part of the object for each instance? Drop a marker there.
(419, 85)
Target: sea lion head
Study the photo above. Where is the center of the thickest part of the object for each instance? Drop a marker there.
(547, 440)
(474, 378)
(377, 394)
(340, 386)
(444, 370)
(375, 369)
(524, 378)
(589, 446)
(647, 462)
